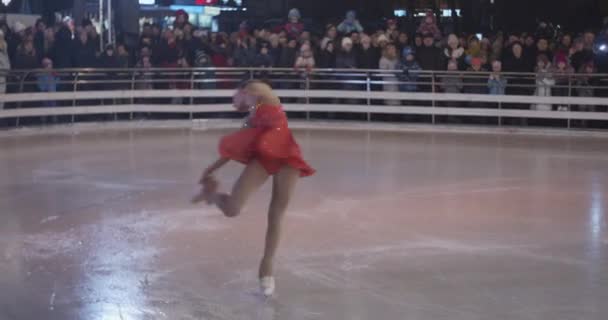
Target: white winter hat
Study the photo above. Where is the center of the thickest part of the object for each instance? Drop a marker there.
(18, 27)
(382, 38)
(346, 41)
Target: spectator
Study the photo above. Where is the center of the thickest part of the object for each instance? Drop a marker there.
(15, 39)
(166, 54)
(327, 57)
(26, 57)
(306, 61)
(475, 84)
(108, 59)
(84, 52)
(331, 34)
(390, 62)
(294, 27)
(382, 41)
(402, 41)
(562, 73)
(418, 42)
(244, 54)
(39, 33)
(580, 54)
(181, 19)
(350, 24)
(542, 48)
(497, 84)
(429, 26)
(391, 26)
(264, 59)
(145, 77)
(367, 56)
(473, 49)
(64, 40)
(515, 62)
(454, 52)
(429, 56)
(565, 45)
(585, 84)
(410, 69)
(47, 80)
(452, 83)
(5, 65)
(275, 48)
(288, 55)
(346, 58)
(544, 81)
(122, 56)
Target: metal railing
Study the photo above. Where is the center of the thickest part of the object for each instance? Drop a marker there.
(423, 96)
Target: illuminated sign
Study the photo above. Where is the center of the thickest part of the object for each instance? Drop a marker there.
(210, 11)
(147, 2)
(197, 2)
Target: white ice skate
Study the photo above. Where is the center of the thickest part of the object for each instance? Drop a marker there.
(267, 286)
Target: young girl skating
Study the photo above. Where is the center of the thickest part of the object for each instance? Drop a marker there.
(267, 148)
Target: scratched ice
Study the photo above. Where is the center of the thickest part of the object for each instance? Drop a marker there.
(96, 224)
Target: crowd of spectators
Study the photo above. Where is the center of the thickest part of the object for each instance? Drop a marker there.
(345, 45)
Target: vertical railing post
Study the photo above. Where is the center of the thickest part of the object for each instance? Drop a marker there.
(369, 99)
(306, 92)
(132, 94)
(75, 90)
(569, 95)
(433, 94)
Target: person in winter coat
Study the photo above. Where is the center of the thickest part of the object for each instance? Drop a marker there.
(181, 19)
(429, 56)
(327, 57)
(350, 24)
(390, 62)
(562, 73)
(346, 58)
(294, 27)
(585, 84)
(5, 65)
(47, 80)
(475, 84)
(410, 70)
(544, 82)
(244, 54)
(26, 57)
(452, 83)
(64, 41)
(306, 61)
(454, 52)
(84, 52)
(367, 55)
(497, 83)
(289, 54)
(263, 58)
(429, 26)
(516, 62)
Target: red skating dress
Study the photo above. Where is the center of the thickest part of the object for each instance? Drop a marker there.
(268, 140)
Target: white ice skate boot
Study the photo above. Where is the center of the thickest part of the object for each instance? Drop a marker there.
(267, 286)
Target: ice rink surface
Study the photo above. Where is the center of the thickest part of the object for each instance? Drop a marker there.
(96, 224)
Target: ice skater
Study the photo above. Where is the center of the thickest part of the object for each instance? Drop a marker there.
(267, 148)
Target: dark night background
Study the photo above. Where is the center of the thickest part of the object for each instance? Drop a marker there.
(515, 15)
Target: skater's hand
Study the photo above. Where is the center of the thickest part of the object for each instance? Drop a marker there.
(206, 175)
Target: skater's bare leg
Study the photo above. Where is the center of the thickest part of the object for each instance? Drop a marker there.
(252, 178)
(283, 185)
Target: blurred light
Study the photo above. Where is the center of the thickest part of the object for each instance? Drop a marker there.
(400, 13)
(603, 47)
(6, 2)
